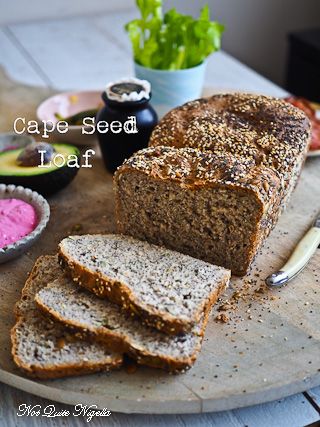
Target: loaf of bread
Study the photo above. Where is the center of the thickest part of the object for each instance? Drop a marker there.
(216, 177)
(167, 290)
(43, 348)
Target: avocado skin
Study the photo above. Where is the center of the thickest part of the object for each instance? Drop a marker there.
(45, 184)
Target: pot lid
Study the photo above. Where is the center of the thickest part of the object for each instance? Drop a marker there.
(128, 89)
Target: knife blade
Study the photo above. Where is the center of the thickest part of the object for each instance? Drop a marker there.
(299, 258)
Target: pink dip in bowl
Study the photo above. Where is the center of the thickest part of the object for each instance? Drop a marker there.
(17, 219)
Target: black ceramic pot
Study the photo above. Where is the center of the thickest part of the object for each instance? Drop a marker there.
(130, 124)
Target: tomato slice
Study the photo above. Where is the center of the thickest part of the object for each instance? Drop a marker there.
(307, 107)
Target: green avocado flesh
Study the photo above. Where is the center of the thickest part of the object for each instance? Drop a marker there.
(44, 180)
(9, 166)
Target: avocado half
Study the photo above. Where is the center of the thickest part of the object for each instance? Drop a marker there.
(45, 181)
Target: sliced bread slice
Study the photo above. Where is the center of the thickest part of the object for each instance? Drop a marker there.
(169, 290)
(78, 308)
(43, 348)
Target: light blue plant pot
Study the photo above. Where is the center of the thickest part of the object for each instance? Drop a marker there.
(172, 88)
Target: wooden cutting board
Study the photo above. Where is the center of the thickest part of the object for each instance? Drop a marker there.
(269, 348)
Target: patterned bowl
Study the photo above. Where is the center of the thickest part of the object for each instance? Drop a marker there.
(42, 209)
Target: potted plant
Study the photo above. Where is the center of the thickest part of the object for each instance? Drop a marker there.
(170, 51)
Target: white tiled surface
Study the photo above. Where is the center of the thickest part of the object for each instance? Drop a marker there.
(85, 53)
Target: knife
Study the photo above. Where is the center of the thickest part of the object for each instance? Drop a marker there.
(299, 257)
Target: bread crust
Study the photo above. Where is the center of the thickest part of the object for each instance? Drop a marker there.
(263, 129)
(268, 130)
(120, 294)
(50, 371)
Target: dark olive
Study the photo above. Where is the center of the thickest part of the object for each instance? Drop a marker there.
(36, 154)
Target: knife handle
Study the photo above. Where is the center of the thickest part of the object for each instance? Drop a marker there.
(298, 259)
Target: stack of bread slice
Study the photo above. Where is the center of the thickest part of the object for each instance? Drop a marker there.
(104, 296)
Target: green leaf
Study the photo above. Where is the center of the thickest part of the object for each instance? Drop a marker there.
(150, 7)
(205, 13)
(134, 30)
(173, 41)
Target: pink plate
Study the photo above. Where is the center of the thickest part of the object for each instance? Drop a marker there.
(67, 104)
